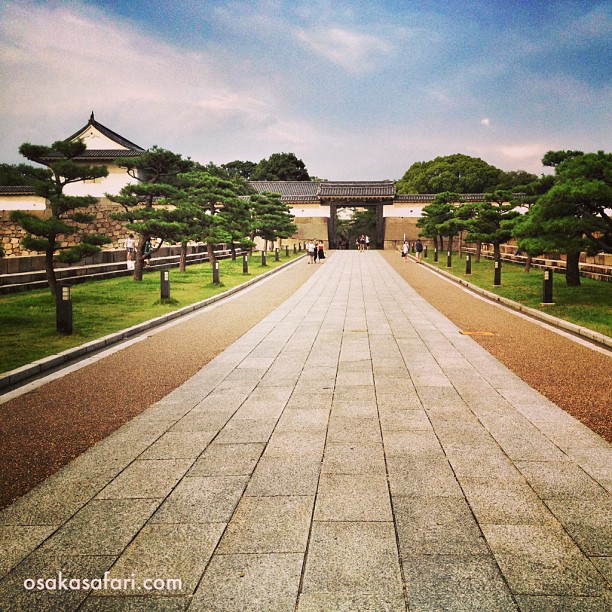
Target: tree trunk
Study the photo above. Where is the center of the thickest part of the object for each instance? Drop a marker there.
(528, 261)
(496, 251)
(441, 243)
(50, 270)
(233, 249)
(478, 250)
(572, 272)
(435, 241)
(139, 261)
(460, 245)
(211, 253)
(183, 258)
(450, 244)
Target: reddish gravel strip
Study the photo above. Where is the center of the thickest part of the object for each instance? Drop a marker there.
(574, 377)
(44, 430)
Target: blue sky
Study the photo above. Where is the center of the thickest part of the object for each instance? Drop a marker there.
(358, 90)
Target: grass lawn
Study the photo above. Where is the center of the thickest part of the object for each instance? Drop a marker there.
(589, 305)
(28, 327)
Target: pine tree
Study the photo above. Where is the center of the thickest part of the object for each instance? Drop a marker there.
(43, 234)
(155, 173)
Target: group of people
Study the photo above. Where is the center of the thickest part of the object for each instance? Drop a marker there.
(315, 250)
(418, 249)
(130, 247)
(363, 242)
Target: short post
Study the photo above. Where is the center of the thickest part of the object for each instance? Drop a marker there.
(435, 254)
(276, 254)
(425, 251)
(468, 264)
(164, 282)
(547, 297)
(263, 258)
(286, 250)
(300, 247)
(63, 310)
(449, 259)
(216, 279)
(497, 278)
(245, 264)
(294, 248)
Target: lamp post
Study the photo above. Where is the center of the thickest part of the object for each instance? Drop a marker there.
(164, 282)
(63, 310)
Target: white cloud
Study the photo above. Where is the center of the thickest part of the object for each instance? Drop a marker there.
(485, 121)
(353, 51)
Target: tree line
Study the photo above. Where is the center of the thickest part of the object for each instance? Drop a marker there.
(566, 212)
(172, 200)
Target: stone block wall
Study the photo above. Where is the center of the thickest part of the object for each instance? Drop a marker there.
(11, 233)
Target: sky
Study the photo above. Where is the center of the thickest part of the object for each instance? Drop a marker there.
(358, 90)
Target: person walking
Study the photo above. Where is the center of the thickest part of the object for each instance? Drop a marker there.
(310, 249)
(405, 249)
(321, 250)
(418, 247)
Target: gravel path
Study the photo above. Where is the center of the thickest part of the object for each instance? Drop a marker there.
(45, 429)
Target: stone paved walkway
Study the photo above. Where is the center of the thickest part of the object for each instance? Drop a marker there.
(353, 451)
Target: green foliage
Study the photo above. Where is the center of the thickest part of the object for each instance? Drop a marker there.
(454, 173)
(42, 233)
(574, 214)
(22, 174)
(491, 220)
(280, 167)
(239, 168)
(272, 218)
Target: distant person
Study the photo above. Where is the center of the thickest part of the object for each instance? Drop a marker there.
(130, 247)
(147, 252)
(405, 249)
(366, 240)
(418, 247)
(321, 250)
(310, 249)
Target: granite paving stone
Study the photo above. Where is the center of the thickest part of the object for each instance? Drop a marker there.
(169, 552)
(146, 479)
(102, 527)
(253, 583)
(456, 583)
(202, 499)
(542, 560)
(268, 525)
(353, 558)
(436, 526)
(353, 458)
(354, 497)
(285, 476)
(227, 460)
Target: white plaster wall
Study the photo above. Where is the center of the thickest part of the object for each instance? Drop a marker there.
(116, 179)
(22, 202)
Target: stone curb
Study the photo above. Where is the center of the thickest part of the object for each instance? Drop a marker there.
(584, 332)
(35, 368)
